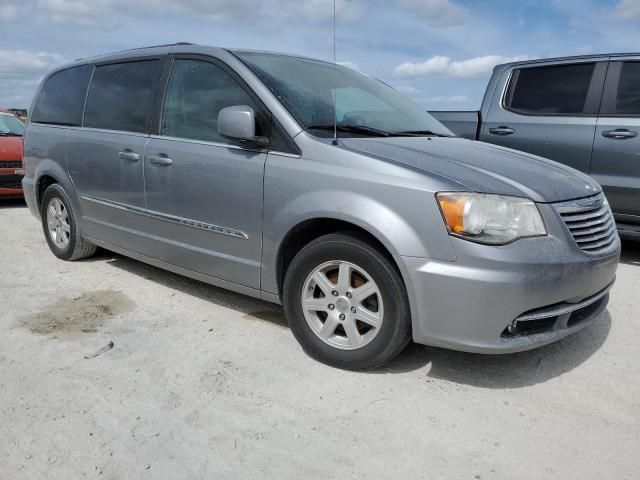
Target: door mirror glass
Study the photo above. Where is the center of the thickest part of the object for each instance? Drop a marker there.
(239, 123)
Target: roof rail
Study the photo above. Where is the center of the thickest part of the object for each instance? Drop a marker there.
(160, 46)
(143, 48)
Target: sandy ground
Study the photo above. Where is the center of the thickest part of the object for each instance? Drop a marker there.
(206, 384)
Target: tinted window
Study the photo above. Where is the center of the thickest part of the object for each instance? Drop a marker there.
(628, 99)
(196, 93)
(61, 99)
(121, 96)
(559, 89)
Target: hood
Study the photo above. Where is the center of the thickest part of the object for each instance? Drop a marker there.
(10, 148)
(481, 167)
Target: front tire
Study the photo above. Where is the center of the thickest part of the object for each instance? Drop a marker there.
(61, 227)
(346, 303)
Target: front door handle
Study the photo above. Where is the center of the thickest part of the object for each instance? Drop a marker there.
(160, 159)
(619, 134)
(127, 154)
(502, 130)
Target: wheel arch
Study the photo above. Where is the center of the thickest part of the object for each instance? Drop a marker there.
(42, 183)
(49, 172)
(310, 229)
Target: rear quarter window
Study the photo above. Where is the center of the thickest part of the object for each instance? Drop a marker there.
(61, 98)
(552, 90)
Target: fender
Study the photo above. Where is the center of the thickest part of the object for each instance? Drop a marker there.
(391, 229)
(43, 144)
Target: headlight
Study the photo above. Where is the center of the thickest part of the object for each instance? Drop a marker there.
(491, 219)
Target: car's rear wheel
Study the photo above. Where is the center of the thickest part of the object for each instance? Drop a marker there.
(346, 303)
(60, 225)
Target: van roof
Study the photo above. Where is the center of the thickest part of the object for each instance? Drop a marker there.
(177, 47)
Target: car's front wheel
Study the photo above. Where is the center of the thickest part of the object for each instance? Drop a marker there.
(346, 303)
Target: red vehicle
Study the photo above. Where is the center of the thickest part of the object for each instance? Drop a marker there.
(11, 171)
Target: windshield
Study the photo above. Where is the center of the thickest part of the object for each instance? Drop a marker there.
(10, 126)
(363, 105)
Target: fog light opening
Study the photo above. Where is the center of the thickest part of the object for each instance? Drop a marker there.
(513, 327)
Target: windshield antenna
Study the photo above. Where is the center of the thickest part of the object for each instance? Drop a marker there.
(335, 108)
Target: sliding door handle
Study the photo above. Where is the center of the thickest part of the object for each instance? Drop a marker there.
(161, 160)
(127, 154)
(619, 134)
(502, 130)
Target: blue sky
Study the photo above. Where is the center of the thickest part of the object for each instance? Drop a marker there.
(439, 52)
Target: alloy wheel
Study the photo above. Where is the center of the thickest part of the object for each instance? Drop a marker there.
(58, 223)
(342, 304)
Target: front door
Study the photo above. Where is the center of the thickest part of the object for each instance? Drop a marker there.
(615, 163)
(204, 192)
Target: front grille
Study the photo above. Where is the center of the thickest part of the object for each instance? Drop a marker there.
(14, 182)
(11, 185)
(591, 223)
(10, 163)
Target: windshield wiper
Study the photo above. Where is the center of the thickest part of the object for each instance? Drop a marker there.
(421, 133)
(363, 129)
(9, 134)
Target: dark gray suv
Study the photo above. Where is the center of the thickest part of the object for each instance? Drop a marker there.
(313, 185)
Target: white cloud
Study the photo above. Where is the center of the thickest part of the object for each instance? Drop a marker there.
(18, 63)
(436, 12)
(452, 100)
(627, 10)
(446, 67)
(407, 89)
(346, 10)
(349, 64)
(8, 11)
(79, 12)
(106, 14)
(20, 73)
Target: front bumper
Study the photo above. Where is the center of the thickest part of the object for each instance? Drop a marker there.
(508, 298)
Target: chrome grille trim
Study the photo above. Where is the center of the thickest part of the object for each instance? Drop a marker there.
(582, 231)
(590, 222)
(574, 217)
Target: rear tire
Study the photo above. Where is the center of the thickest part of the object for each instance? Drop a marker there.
(346, 303)
(61, 226)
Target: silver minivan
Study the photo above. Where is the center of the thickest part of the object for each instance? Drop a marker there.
(309, 184)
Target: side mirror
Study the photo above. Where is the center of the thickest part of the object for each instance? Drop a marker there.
(239, 123)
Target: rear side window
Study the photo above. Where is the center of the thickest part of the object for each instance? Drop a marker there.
(555, 90)
(121, 96)
(628, 97)
(61, 98)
